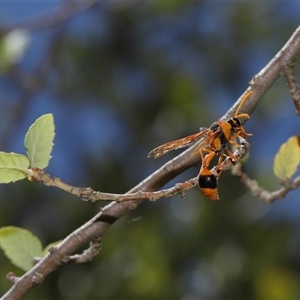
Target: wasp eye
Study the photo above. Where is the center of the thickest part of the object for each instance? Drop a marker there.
(207, 181)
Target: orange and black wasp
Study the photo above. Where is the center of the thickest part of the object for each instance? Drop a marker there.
(216, 141)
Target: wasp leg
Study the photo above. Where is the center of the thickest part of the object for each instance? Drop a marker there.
(237, 145)
(208, 157)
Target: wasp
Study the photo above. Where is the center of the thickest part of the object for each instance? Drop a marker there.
(215, 142)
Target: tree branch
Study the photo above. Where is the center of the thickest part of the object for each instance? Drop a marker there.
(293, 86)
(259, 192)
(100, 223)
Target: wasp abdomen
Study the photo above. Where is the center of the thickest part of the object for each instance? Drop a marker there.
(208, 184)
(208, 181)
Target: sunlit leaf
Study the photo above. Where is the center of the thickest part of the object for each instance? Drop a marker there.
(287, 158)
(20, 246)
(13, 167)
(39, 141)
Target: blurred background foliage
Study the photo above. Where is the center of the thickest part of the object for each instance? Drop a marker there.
(120, 79)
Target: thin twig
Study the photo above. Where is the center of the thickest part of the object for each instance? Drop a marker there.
(259, 192)
(88, 254)
(88, 194)
(293, 86)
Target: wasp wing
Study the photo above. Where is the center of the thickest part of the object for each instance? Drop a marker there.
(177, 144)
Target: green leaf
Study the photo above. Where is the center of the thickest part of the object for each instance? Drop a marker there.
(287, 158)
(13, 167)
(39, 141)
(20, 246)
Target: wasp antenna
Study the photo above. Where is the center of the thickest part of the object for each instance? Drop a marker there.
(241, 103)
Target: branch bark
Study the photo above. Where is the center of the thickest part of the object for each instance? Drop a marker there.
(95, 228)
